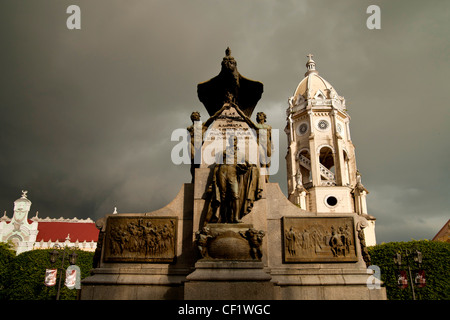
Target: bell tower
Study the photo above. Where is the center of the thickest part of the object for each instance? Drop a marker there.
(321, 167)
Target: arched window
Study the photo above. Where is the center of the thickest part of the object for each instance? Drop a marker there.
(304, 160)
(326, 160)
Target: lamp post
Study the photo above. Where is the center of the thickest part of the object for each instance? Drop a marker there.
(54, 257)
(404, 258)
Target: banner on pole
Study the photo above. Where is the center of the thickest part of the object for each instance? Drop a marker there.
(73, 277)
(402, 279)
(420, 279)
(50, 277)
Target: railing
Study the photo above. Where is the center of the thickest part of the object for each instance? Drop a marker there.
(324, 172)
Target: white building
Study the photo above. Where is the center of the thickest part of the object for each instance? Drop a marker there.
(321, 166)
(36, 233)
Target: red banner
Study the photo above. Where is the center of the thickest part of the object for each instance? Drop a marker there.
(402, 279)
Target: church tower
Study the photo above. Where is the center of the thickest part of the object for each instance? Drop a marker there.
(321, 167)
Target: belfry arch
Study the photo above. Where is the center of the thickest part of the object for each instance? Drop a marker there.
(304, 176)
(327, 165)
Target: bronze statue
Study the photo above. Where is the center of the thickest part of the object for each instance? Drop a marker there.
(254, 238)
(235, 186)
(202, 238)
(215, 92)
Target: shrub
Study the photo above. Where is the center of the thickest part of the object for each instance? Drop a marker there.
(7, 255)
(435, 262)
(26, 272)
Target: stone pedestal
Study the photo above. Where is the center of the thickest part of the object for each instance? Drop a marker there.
(325, 282)
(273, 273)
(229, 280)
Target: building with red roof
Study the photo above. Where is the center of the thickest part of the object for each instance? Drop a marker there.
(36, 233)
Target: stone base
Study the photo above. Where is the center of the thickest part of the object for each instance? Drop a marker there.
(134, 284)
(229, 280)
(325, 284)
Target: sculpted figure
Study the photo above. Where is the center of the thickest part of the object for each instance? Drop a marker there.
(196, 131)
(291, 240)
(227, 181)
(235, 186)
(264, 142)
(203, 237)
(214, 92)
(255, 238)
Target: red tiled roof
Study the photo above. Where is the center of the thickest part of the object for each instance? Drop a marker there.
(52, 230)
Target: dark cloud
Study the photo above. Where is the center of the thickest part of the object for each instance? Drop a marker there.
(87, 115)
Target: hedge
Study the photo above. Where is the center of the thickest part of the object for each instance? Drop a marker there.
(435, 262)
(24, 276)
(6, 257)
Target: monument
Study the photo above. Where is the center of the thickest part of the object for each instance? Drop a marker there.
(230, 234)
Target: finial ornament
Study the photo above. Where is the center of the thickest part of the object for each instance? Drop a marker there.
(228, 52)
(24, 194)
(310, 65)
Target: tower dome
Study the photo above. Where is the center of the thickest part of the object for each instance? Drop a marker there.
(313, 86)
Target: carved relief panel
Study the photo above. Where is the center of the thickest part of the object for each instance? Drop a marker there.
(318, 239)
(140, 239)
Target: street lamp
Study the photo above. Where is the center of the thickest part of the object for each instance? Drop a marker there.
(420, 275)
(54, 257)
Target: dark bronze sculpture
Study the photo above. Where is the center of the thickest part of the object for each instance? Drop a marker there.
(223, 242)
(138, 238)
(215, 92)
(234, 188)
(312, 239)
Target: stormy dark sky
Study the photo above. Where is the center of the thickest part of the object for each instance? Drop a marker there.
(86, 115)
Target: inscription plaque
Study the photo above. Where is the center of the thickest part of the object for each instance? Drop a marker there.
(318, 239)
(141, 239)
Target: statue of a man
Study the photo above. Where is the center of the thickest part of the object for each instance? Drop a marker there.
(227, 180)
(196, 131)
(264, 141)
(234, 187)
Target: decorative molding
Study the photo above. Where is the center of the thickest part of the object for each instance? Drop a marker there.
(61, 219)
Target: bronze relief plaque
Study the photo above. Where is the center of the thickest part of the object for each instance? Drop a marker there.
(141, 239)
(318, 239)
